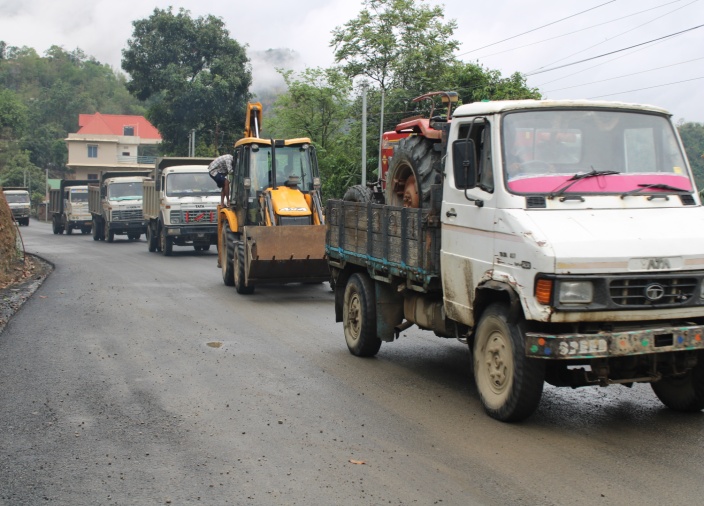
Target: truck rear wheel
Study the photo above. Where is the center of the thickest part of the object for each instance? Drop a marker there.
(359, 317)
(239, 274)
(96, 234)
(415, 167)
(69, 229)
(509, 383)
(685, 392)
(226, 256)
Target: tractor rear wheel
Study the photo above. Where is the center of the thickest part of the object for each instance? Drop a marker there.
(415, 168)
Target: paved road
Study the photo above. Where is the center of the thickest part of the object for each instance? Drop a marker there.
(132, 378)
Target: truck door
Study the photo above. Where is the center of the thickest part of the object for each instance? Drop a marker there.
(467, 217)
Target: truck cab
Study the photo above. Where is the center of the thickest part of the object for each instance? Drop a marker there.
(18, 200)
(561, 239)
(180, 205)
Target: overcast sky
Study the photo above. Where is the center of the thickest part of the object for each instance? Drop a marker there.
(668, 72)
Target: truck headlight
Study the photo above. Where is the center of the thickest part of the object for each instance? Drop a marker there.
(575, 292)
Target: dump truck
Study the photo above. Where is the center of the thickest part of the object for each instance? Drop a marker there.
(273, 228)
(115, 203)
(17, 198)
(180, 205)
(560, 239)
(68, 206)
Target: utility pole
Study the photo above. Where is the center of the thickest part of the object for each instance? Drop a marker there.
(192, 143)
(381, 132)
(364, 133)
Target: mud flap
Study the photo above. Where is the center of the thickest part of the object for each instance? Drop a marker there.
(292, 254)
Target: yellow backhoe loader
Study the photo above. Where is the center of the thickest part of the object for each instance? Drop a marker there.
(273, 228)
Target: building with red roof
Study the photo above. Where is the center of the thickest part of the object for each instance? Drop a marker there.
(107, 142)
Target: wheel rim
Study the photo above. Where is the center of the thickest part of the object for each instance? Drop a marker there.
(354, 318)
(494, 367)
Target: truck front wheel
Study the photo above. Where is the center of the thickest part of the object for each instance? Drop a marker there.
(151, 239)
(359, 317)
(226, 256)
(166, 243)
(509, 383)
(685, 392)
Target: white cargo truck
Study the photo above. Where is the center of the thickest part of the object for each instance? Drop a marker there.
(68, 206)
(18, 199)
(562, 240)
(116, 205)
(180, 205)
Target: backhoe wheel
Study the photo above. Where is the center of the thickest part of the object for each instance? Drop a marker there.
(239, 274)
(166, 243)
(358, 193)
(509, 383)
(226, 256)
(415, 167)
(683, 393)
(151, 239)
(359, 317)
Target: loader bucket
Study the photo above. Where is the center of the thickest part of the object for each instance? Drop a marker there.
(288, 254)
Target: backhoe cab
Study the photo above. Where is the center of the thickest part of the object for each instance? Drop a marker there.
(273, 230)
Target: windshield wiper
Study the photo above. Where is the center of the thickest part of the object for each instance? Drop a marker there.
(655, 186)
(578, 177)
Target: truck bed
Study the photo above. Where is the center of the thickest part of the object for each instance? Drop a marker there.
(387, 241)
(150, 200)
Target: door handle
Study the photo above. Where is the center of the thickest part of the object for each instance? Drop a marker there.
(451, 213)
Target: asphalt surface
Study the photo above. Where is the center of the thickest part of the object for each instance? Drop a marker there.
(133, 378)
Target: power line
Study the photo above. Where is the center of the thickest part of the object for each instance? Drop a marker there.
(625, 75)
(616, 36)
(648, 88)
(538, 28)
(577, 31)
(611, 52)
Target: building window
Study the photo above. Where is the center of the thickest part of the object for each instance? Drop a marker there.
(92, 176)
(125, 153)
(128, 131)
(92, 151)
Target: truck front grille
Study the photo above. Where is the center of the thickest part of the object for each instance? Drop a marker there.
(652, 291)
(194, 217)
(127, 215)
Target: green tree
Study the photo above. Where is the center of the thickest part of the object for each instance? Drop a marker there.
(13, 116)
(396, 43)
(317, 104)
(692, 135)
(475, 83)
(195, 74)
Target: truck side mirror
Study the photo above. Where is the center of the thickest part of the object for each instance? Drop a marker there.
(464, 163)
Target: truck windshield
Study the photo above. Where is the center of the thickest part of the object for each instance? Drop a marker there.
(79, 195)
(125, 191)
(191, 184)
(552, 150)
(290, 161)
(17, 198)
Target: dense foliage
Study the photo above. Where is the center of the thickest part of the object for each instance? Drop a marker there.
(693, 139)
(40, 100)
(196, 75)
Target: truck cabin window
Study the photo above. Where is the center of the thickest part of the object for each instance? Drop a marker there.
(290, 161)
(79, 195)
(125, 191)
(17, 198)
(479, 134)
(542, 150)
(191, 184)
